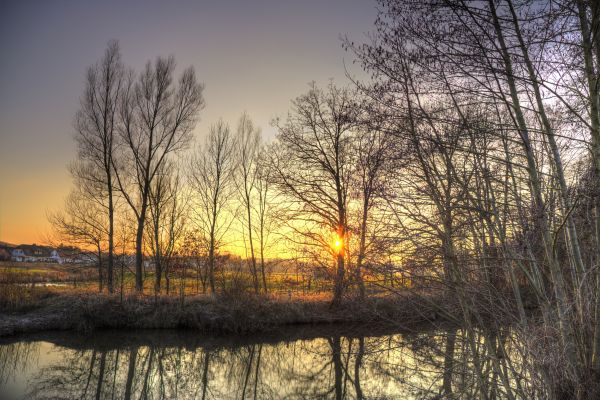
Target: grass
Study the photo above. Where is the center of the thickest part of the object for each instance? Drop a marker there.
(86, 311)
(27, 273)
(27, 305)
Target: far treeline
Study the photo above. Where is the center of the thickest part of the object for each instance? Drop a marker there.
(470, 162)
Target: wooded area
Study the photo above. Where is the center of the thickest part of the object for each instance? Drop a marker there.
(468, 165)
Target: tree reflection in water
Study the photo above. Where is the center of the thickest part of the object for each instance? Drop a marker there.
(163, 365)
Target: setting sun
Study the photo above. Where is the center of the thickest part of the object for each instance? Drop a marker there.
(337, 244)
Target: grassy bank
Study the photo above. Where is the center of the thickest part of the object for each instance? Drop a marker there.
(86, 311)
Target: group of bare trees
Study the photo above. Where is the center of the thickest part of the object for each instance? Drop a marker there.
(132, 170)
(491, 113)
(470, 161)
(89, 215)
(129, 130)
(229, 178)
(328, 165)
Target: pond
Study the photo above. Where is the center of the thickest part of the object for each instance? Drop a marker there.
(304, 362)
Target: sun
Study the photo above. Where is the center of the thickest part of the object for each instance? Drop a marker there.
(337, 244)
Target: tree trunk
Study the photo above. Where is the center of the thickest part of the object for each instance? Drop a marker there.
(338, 289)
(157, 276)
(139, 242)
(448, 363)
(211, 264)
(167, 277)
(362, 247)
(182, 284)
(100, 275)
(262, 269)
(157, 257)
(139, 282)
(262, 251)
(211, 247)
(111, 232)
(253, 257)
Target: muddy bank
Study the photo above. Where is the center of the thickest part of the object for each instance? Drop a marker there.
(86, 312)
(120, 339)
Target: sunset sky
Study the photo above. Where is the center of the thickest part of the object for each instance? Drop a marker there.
(253, 56)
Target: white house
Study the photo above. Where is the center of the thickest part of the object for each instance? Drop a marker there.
(33, 253)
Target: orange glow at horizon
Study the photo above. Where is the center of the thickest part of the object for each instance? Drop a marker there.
(264, 58)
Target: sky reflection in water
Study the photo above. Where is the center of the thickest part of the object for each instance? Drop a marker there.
(305, 363)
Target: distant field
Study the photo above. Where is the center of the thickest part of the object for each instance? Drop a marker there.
(15, 272)
(23, 285)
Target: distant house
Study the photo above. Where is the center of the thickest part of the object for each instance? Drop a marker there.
(35, 253)
(18, 255)
(80, 257)
(73, 255)
(55, 256)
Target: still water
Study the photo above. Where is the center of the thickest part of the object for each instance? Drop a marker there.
(295, 363)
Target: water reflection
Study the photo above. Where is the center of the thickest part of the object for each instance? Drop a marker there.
(306, 363)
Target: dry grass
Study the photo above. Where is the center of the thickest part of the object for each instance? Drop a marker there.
(16, 296)
(224, 313)
(12, 272)
(27, 305)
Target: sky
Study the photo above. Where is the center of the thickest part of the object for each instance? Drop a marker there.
(253, 56)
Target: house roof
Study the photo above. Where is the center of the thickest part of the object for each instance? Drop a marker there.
(33, 250)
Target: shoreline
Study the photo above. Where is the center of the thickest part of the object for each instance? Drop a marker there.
(113, 339)
(86, 312)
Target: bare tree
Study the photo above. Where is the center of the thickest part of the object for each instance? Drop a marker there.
(495, 100)
(83, 223)
(167, 217)
(157, 118)
(312, 168)
(96, 125)
(588, 14)
(247, 143)
(372, 159)
(265, 208)
(211, 176)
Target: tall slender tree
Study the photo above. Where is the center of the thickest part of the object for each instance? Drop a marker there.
(211, 175)
(96, 125)
(247, 146)
(372, 160)
(265, 209)
(312, 167)
(156, 120)
(168, 212)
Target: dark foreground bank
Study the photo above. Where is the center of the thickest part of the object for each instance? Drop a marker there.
(86, 312)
